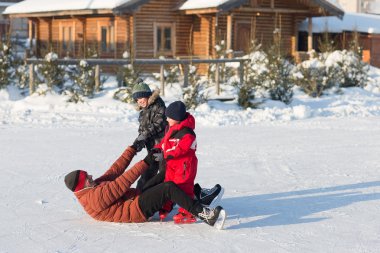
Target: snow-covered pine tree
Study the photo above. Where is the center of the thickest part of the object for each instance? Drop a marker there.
(312, 77)
(255, 72)
(194, 95)
(225, 71)
(6, 63)
(279, 83)
(22, 74)
(127, 76)
(50, 72)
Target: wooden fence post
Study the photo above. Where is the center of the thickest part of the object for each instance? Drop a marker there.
(162, 79)
(31, 78)
(97, 78)
(217, 79)
(185, 75)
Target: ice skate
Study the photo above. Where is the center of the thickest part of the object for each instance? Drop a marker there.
(214, 217)
(183, 216)
(209, 197)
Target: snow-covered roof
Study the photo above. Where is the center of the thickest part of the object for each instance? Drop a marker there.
(6, 4)
(360, 22)
(40, 6)
(34, 6)
(199, 4)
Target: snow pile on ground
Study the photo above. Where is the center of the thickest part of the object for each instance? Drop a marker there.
(103, 110)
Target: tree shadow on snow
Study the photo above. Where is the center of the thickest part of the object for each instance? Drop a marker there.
(293, 207)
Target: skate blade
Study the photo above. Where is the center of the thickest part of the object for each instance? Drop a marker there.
(214, 203)
(219, 224)
(185, 221)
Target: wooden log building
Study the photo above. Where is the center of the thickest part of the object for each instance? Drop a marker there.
(170, 28)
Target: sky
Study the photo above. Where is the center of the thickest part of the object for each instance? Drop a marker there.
(300, 178)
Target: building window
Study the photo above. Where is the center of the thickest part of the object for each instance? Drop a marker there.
(164, 43)
(107, 38)
(67, 40)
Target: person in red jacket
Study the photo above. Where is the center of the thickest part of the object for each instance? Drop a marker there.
(177, 149)
(111, 198)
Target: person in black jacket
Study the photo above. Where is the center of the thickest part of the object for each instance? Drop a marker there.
(152, 123)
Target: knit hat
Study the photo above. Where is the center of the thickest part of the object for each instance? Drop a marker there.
(141, 90)
(176, 111)
(75, 180)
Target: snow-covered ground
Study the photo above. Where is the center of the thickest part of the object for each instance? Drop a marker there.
(298, 178)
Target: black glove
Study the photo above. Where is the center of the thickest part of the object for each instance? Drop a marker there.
(138, 145)
(158, 156)
(141, 137)
(149, 159)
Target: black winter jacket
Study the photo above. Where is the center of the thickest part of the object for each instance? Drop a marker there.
(152, 120)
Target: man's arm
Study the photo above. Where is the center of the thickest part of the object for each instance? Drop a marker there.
(118, 167)
(107, 194)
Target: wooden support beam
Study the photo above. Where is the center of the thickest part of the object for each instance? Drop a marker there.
(229, 32)
(273, 10)
(31, 78)
(30, 36)
(97, 78)
(310, 34)
(201, 11)
(162, 79)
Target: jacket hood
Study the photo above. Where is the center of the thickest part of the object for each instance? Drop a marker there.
(189, 122)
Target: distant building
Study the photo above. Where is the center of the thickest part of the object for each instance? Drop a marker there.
(342, 31)
(360, 6)
(170, 28)
(15, 29)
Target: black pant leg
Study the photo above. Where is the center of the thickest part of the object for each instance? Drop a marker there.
(154, 198)
(147, 175)
(155, 180)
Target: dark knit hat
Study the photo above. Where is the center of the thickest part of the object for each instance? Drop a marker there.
(176, 111)
(141, 90)
(75, 180)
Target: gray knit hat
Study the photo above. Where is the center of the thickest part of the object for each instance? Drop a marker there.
(141, 90)
(75, 180)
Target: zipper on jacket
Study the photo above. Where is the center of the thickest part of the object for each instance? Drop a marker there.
(184, 170)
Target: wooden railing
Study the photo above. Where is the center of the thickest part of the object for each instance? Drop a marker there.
(162, 62)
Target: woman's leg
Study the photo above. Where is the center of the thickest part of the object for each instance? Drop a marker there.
(154, 198)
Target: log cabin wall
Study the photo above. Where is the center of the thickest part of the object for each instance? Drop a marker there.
(159, 13)
(43, 36)
(375, 50)
(194, 35)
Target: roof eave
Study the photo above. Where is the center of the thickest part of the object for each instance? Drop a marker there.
(129, 7)
(329, 7)
(227, 6)
(59, 13)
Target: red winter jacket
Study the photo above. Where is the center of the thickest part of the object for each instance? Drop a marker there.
(178, 146)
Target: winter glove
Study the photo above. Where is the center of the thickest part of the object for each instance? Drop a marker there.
(158, 156)
(138, 145)
(141, 137)
(149, 159)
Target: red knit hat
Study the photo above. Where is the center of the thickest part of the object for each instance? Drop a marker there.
(75, 180)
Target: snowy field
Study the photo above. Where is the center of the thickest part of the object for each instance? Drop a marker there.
(298, 178)
(311, 186)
